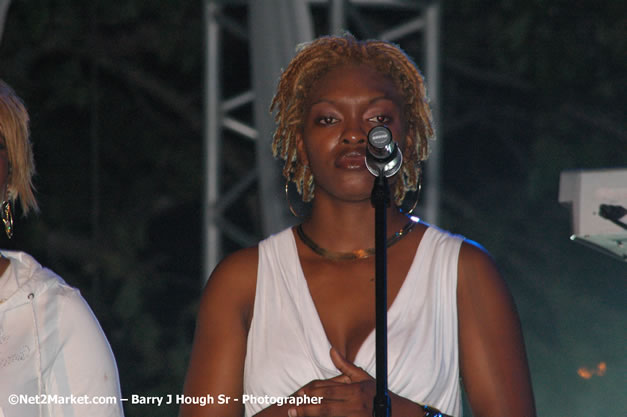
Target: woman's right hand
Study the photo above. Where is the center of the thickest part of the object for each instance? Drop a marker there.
(307, 389)
(349, 394)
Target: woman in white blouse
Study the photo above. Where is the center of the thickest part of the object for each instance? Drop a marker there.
(54, 358)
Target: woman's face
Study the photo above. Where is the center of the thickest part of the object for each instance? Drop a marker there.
(342, 107)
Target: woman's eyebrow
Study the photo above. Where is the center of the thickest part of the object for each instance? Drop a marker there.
(373, 100)
(322, 100)
(384, 97)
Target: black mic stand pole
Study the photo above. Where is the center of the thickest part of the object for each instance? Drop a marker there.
(381, 201)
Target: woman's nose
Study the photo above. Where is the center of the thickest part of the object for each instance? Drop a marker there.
(354, 134)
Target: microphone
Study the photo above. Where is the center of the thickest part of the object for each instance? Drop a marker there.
(383, 157)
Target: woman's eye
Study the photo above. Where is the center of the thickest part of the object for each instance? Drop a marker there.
(327, 120)
(380, 119)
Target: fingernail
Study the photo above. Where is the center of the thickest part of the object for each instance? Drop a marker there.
(292, 412)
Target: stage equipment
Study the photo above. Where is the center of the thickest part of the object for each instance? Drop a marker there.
(383, 159)
(598, 203)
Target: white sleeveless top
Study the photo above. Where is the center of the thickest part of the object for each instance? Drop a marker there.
(287, 346)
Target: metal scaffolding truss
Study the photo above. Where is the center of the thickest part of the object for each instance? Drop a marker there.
(271, 29)
(4, 8)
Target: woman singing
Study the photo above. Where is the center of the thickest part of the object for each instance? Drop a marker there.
(295, 315)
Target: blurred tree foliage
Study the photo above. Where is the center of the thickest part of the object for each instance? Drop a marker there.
(532, 88)
(529, 88)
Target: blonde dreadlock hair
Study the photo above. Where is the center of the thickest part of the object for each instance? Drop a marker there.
(316, 58)
(15, 133)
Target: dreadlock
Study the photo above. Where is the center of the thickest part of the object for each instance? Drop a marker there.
(318, 57)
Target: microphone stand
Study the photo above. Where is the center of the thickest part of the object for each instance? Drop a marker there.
(381, 200)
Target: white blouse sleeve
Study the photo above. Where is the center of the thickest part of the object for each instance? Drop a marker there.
(82, 366)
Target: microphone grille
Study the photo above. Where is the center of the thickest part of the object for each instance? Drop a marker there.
(379, 137)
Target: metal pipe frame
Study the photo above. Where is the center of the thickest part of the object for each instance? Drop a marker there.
(216, 108)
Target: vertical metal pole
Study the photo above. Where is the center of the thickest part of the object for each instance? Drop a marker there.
(4, 8)
(94, 124)
(337, 17)
(212, 129)
(275, 28)
(432, 64)
(380, 199)
(94, 129)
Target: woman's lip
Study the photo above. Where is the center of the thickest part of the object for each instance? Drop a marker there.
(355, 159)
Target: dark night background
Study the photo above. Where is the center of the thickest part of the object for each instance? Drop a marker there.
(115, 93)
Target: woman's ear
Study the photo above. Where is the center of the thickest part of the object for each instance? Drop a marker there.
(300, 148)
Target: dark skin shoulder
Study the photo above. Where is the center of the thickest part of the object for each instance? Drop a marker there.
(216, 364)
(4, 264)
(492, 355)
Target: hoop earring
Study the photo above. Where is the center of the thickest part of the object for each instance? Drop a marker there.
(7, 217)
(304, 209)
(287, 198)
(416, 193)
(413, 206)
